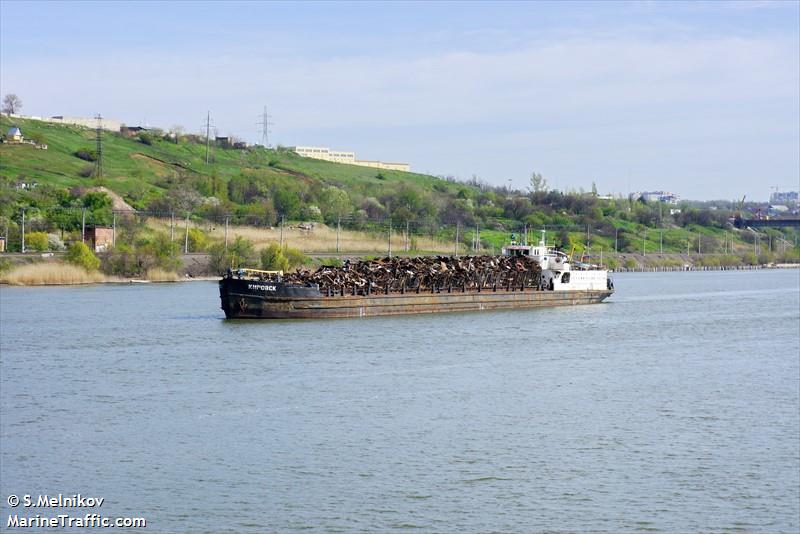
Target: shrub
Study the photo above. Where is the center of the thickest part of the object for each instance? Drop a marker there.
(54, 242)
(145, 138)
(312, 213)
(295, 257)
(272, 259)
(36, 241)
(86, 154)
(79, 254)
(749, 258)
(198, 240)
(86, 172)
(239, 254)
(162, 252)
(630, 263)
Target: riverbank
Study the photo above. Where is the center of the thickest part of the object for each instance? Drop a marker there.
(64, 274)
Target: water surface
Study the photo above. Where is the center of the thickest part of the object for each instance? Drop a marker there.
(673, 407)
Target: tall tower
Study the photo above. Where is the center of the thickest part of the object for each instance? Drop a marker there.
(265, 124)
(98, 164)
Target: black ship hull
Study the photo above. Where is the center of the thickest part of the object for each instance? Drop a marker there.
(249, 299)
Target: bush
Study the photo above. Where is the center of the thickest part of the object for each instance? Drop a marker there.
(145, 138)
(162, 252)
(198, 240)
(630, 264)
(272, 259)
(54, 242)
(749, 258)
(295, 257)
(79, 254)
(86, 154)
(37, 241)
(239, 254)
(86, 172)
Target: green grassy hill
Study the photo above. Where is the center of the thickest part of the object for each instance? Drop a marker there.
(256, 186)
(140, 171)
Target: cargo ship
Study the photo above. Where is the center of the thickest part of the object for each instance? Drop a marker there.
(525, 276)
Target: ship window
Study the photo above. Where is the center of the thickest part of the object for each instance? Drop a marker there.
(565, 278)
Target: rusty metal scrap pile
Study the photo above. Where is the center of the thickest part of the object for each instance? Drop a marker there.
(423, 274)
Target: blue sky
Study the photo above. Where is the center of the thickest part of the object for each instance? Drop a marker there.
(699, 98)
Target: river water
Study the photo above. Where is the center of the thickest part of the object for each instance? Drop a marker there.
(673, 407)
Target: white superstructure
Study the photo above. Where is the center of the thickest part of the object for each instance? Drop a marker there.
(557, 271)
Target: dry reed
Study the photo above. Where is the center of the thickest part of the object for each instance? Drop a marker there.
(46, 274)
(160, 275)
(321, 239)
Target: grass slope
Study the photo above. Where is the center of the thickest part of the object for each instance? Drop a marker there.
(136, 170)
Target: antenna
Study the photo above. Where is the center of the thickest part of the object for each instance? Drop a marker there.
(98, 164)
(265, 123)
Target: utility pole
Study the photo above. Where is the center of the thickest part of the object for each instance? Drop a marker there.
(186, 239)
(227, 218)
(616, 239)
(114, 228)
(407, 242)
(390, 237)
(338, 231)
(644, 242)
(699, 239)
(281, 231)
(688, 242)
(588, 239)
(661, 241)
(22, 246)
(83, 225)
(208, 134)
(172, 227)
(477, 238)
(456, 243)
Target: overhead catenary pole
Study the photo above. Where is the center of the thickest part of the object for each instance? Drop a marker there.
(208, 134)
(186, 238)
(22, 245)
(227, 218)
(644, 242)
